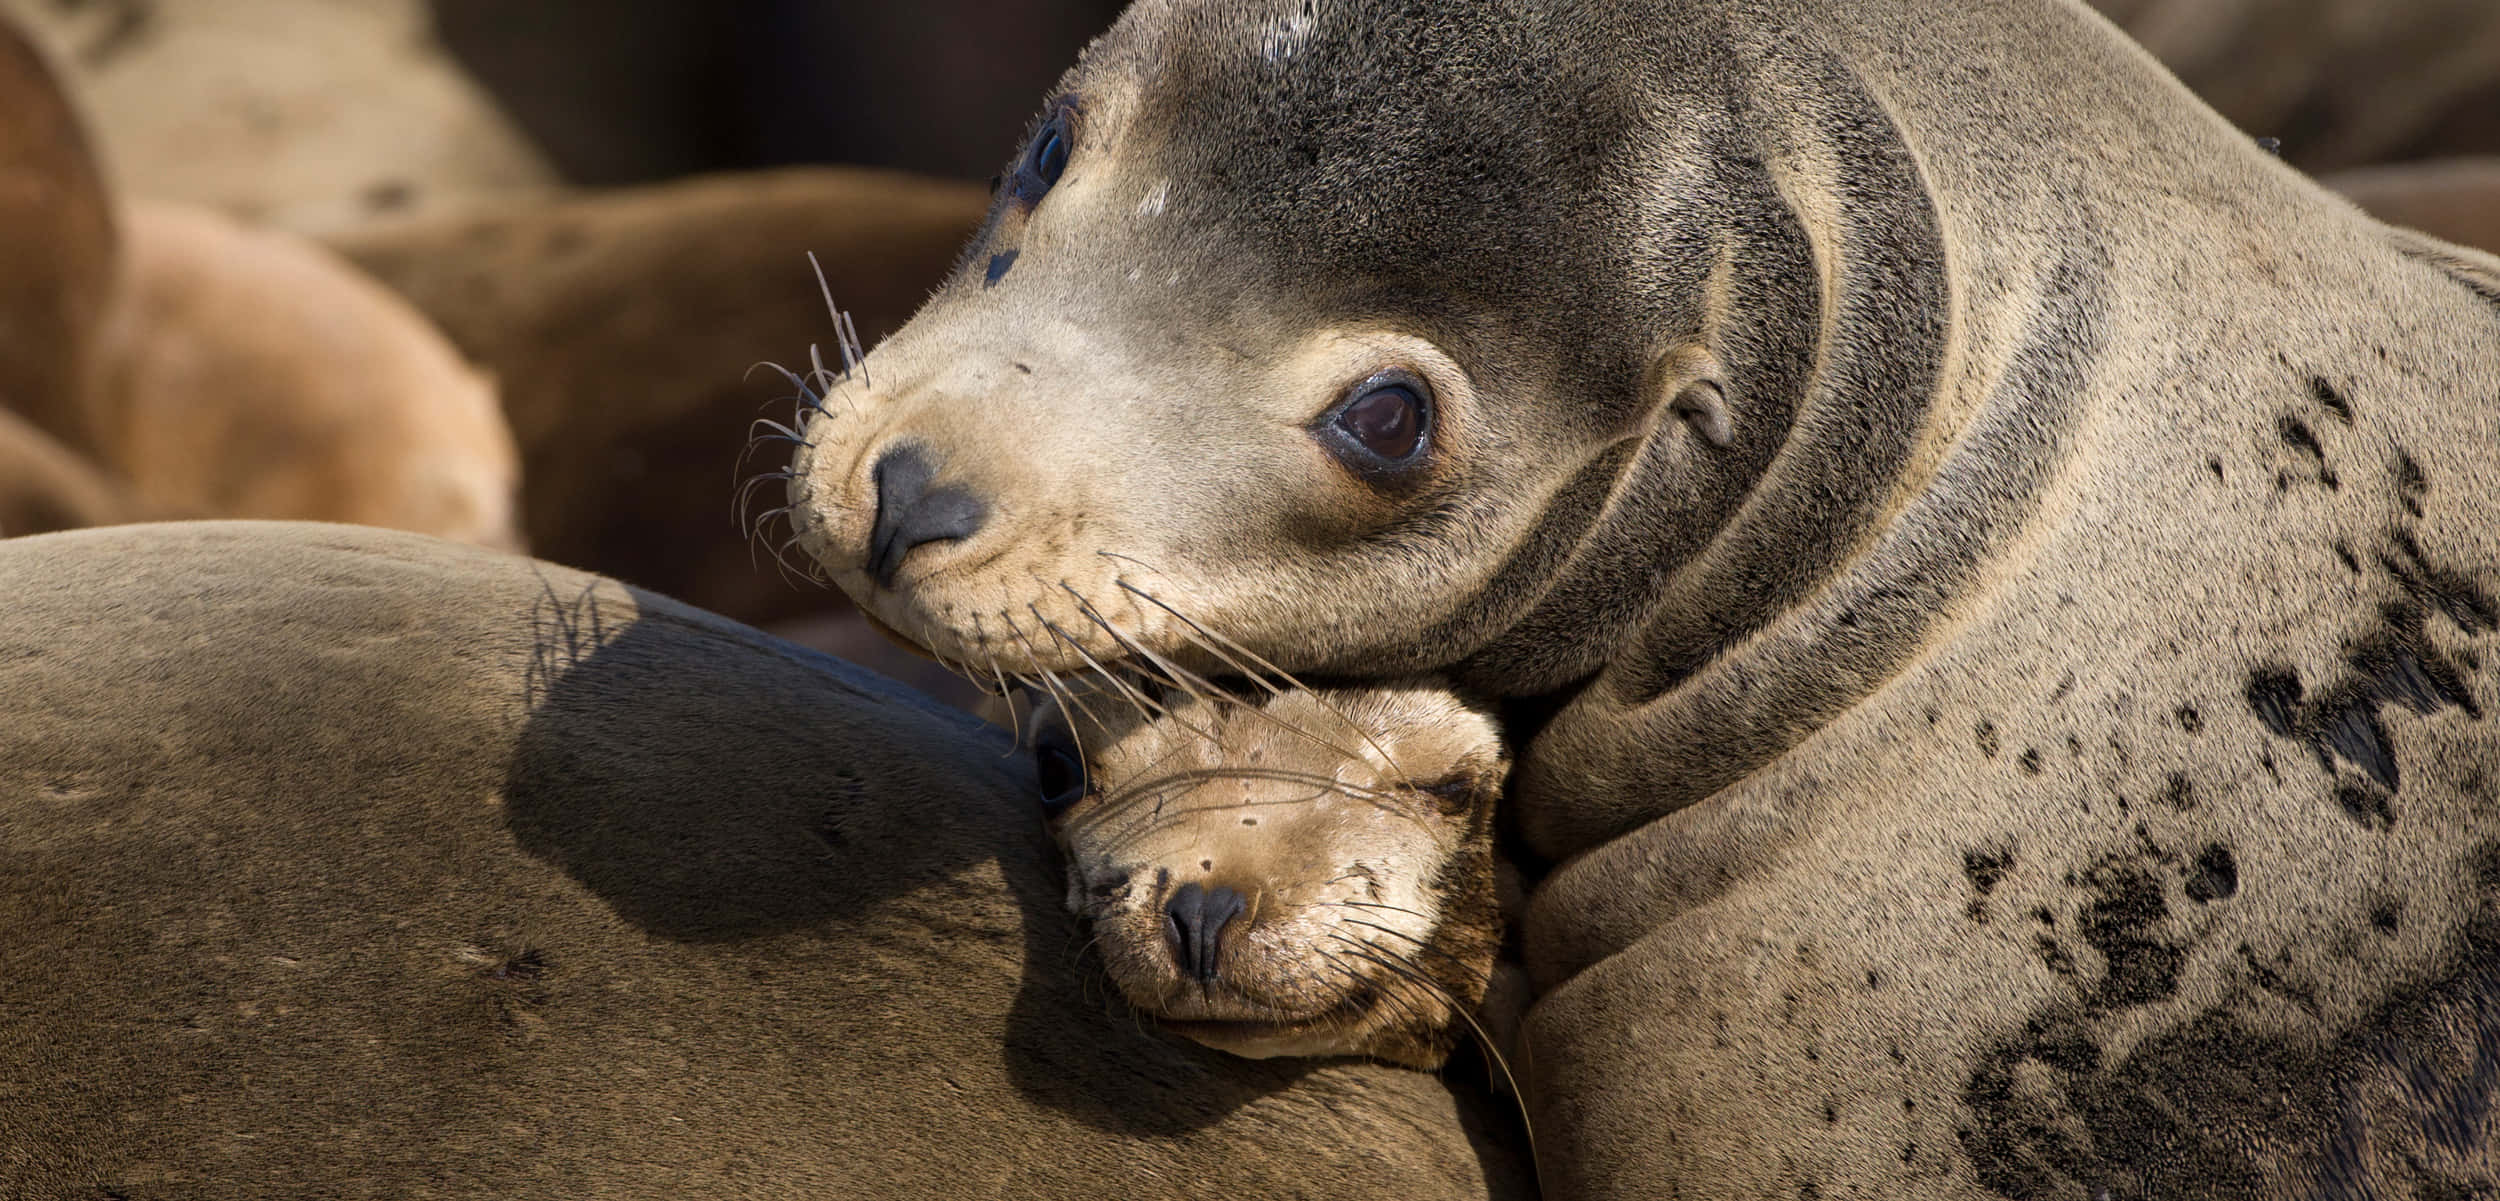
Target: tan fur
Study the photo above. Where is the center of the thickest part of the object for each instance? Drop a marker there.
(621, 328)
(341, 862)
(2456, 200)
(1355, 824)
(1997, 577)
(248, 373)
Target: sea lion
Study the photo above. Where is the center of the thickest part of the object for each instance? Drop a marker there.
(338, 861)
(1989, 573)
(296, 114)
(624, 329)
(1310, 873)
(251, 373)
(56, 235)
(45, 486)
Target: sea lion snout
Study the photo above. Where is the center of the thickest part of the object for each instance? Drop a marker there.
(910, 513)
(1194, 921)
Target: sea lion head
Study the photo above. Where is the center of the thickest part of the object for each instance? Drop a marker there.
(1309, 874)
(1321, 333)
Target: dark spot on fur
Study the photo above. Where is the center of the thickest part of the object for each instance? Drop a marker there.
(2282, 481)
(2274, 695)
(2399, 1102)
(1249, 821)
(2326, 395)
(2053, 955)
(2179, 792)
(2215, 877)
(2456, 596)
(1024, 368)
(1909, 1151)
(1986, 869)
(2411, 484)
(2042, 915)
(2190, 720)
(2030, 761)
(1987, 738)
(1000, 264)
(2296, 435)
(2065, 684)
(2344, 555)
(2074, 746)
(2387, 917)
(1873, 981)
(1809, 1192)
(528, 965)
(2265, 977)
(2366, 805)
(2214, 464)
(2127, 904)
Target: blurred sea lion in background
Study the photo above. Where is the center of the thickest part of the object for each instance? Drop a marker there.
(622, 329)
(2457, 199)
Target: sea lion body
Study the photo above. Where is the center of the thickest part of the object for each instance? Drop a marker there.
(1310, 873)
(1993, 570)
(344, 862)
(252, 373)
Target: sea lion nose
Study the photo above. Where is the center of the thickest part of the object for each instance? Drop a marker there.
(1194, 921)
(911, 514)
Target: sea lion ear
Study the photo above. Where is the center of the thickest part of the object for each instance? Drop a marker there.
(1696, 391)
(1703, 405)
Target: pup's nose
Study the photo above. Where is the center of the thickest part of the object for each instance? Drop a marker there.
(1194, 921)
(911, 514)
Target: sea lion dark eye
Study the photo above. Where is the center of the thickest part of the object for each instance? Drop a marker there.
(1045, 158)
(1383, 424)
(1062, 776)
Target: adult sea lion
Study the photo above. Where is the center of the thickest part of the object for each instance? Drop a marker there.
(1310, 874)
(56, 235)
(44, 486)
(1991, 569)
(343, 862)
(251, 373)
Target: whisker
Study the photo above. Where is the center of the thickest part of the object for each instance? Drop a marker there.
(1483, 1038)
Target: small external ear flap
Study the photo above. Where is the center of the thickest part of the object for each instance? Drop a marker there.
(1702, 404)
(1689, 377)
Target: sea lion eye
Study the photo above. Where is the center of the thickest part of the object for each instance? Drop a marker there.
(1383, 424)
(1062, 776)
(1045, 158)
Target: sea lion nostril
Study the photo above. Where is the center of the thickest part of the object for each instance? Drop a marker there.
(1194, 921)
(911, 514)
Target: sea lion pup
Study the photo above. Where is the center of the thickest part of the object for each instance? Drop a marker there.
(339, 861)
(1990, 575)
(1304, 873)
(252, 373)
